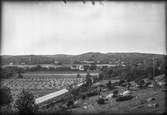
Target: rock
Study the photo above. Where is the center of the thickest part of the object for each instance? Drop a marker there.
(76, 102)
(164, 90)
(153, 105)
(133, 88)
(101, 101)
(104, 90)
(150, 86)
(161, 83)
(125, 93)
(124, 98)
(136, 97)
(150, 99)
(115, 93)
(109, 95)
(85, 107)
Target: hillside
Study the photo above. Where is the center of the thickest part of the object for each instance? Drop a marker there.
(144, 99)
(91, 56)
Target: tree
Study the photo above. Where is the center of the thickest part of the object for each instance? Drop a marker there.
(95, 79)
(5, 96)
(101, 76)
(6, 100)
(109, 72)
(20, 75)
(7, 72)
(78, 75)
(109, 85)
(88, 80)
(26, 103)
(92, 67)
(86, 67)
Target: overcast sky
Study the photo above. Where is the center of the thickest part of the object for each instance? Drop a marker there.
(75, 28)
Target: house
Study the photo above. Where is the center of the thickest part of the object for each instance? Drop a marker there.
(22, 63)
(87, 62)
(105, 65)
(73, 67)
(77, 67)
(98, 61)
(56, 62)
(11, 63)
(81, 67)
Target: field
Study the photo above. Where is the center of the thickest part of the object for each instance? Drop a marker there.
(57, 75)
(138, 104)
(144, 100)
(42, 83)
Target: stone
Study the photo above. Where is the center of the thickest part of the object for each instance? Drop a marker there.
(153, 105)
(150, 99)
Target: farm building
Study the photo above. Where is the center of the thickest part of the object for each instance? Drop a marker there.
(77, 67)
(56, 62)
(11, 63)
(105, 65)
(87, 62)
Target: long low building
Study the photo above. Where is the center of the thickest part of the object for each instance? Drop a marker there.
(53, 95)
(50, 96)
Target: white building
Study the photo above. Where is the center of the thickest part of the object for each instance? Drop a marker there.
(56, 62)
(11, 63)
(77, 67)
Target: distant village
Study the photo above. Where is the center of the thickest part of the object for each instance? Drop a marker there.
(80, 65)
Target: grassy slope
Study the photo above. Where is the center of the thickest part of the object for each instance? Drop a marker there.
(136, 105)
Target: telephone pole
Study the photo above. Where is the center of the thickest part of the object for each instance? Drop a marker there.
(153, 67)
(154, 82)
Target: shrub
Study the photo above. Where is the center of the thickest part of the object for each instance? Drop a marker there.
(109, 85)
(88, 80)
(83, 97)
(20, 75)
(70, 103)
(92, 93)
(115, 93)
(5, 96)
(124, 98)
(100, 101)
(26, 103)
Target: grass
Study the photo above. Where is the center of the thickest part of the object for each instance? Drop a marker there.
(42, 84)
(137, 104)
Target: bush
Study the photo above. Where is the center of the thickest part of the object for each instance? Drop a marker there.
(83, 97)
(100, 101)
(92, 93)
(70, 103)
(88, 80)
(115, 93)
(9, 72)
(26, 103)
(109, 85)
(124, 98)
(20, 75)
(75, 92)
(5, 96)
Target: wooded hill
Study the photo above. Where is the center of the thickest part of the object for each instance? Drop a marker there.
(91, 56)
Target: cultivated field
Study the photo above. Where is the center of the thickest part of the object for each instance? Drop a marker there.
(44, 75)
(41, 84)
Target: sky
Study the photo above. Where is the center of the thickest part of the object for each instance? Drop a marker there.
(49, 28)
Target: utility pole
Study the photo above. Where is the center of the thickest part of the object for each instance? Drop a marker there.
(153, 67)
(154, 82)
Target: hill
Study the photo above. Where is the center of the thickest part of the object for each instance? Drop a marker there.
(90, 56)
